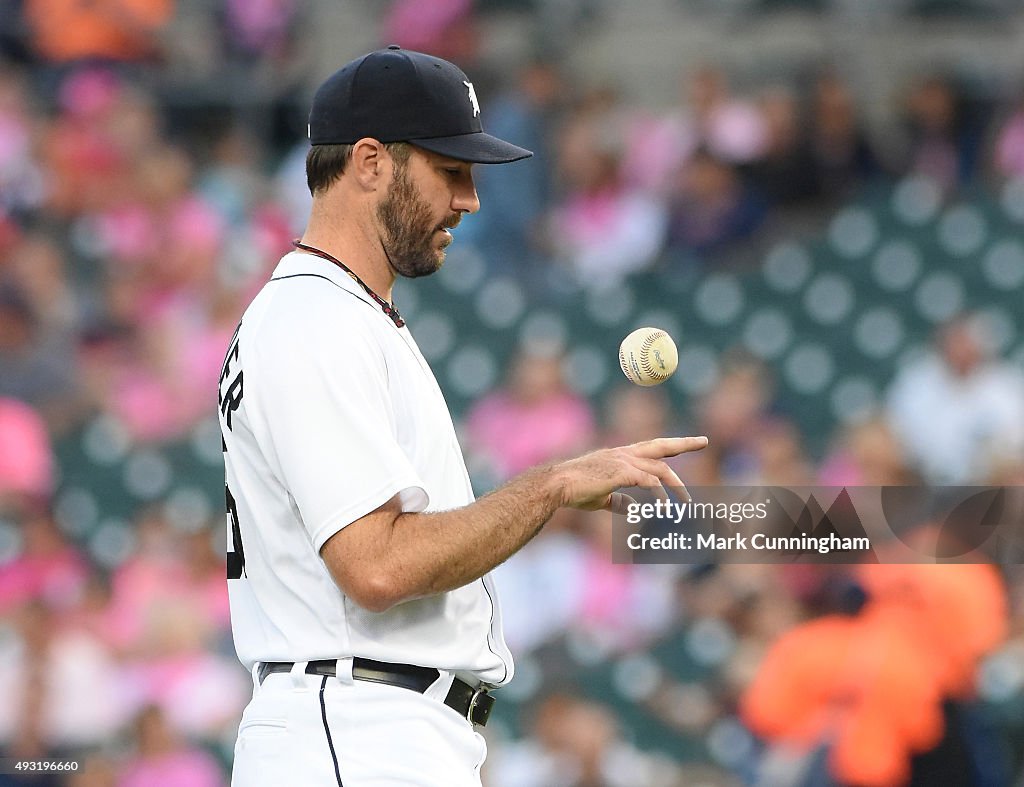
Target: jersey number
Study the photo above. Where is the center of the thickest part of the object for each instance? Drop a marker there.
(228, 399)
(236, 557)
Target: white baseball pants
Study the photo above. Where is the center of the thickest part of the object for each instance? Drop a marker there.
(318, 731)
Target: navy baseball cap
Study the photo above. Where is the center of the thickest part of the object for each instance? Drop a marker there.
(397, 95)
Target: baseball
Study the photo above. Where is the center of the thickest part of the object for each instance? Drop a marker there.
(648, 356)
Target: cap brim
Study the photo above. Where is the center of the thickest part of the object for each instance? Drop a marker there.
(477, 148)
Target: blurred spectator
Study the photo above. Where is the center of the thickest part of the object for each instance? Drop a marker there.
(866, 454)
(230, 183)
(634, 414)
(13, 35)
(161, 759)
(64, 679)
(264, 31)
(943, 144)
(576, 743)
(26, 460)
(977, 400)
(882, 693)
(88, 149)
(47, 568)
(601, 227)
(710, 117)
(444, 28)
(734, 411)
(154, 576)
(38, 265)
(291, 190)
(38, 367)
(21, 178)
(781, 455)
(513, 198)
(65, 31)
(542, 585)
(534, 418)
(622, 607)
(167, 619)
(784, 174)
(97, 770)
(711, 207)
(1008, 149)
(162, 207)
(843, 157)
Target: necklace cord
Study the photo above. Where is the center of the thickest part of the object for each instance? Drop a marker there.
(386, 307)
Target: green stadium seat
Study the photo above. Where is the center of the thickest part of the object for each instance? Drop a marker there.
(698, 364)
(853, 399)
(809, 368)
(147, 474)
(962, 231)
(472, 371)
(787, 267)
(10, 542)
(916, 201)
(589, 369)
(545, 326)
(1011, 200)
(853, 233)
(939, 296)
(435, 334)
(829, 298)
(1003, 265)
(1001, 327)
(768, 333)
(879, 333)
(610, 307)
(105, 441)
(897, 264)
(463, 272)
(112, 543)
(204, 444)
(718, 299)
(189, 508)
(500, 303)
(76, 510)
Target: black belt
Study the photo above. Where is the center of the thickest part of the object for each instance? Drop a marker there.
(472, 703)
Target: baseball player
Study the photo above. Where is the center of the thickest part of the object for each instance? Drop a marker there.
(358, 560)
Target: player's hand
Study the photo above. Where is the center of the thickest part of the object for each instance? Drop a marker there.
(591, 482)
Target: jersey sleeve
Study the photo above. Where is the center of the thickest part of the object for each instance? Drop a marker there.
(325, 410)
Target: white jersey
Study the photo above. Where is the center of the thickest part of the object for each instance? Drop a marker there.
(327, 411)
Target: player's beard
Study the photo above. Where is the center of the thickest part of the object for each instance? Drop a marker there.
(408, 228)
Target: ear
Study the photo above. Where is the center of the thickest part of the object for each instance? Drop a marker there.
(370, 163)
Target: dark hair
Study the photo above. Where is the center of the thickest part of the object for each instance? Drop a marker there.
(326, 163)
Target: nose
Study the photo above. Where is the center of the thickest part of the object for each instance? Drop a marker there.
(464, 196)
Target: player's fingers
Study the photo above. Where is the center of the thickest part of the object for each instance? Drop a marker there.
(667, 446)
(656, 467)
(619, 502)
(642, 478)
(672, 485)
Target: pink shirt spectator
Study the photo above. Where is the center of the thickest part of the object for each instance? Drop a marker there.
(192, 767)
(1010, 147)
(517, 435)
(55, 578)
(26, 463)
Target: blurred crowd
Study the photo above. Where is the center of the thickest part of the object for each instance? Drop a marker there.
(131, 241)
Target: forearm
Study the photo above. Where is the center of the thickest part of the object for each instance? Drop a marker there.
(438, 552)
(390, 556)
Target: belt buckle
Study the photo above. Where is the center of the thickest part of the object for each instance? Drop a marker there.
(480, 705)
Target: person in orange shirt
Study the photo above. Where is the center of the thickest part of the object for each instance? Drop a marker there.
(879, 689)
(64, 31)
